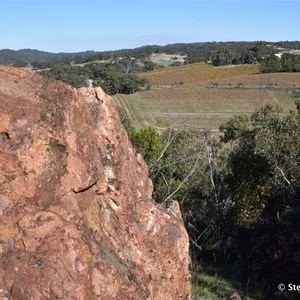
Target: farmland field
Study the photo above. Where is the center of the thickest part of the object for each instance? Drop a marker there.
(196, 73)
(284, 80)
(206, 104)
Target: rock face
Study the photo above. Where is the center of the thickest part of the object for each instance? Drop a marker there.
(76, 216)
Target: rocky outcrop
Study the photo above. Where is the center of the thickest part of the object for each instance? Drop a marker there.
(76, 216)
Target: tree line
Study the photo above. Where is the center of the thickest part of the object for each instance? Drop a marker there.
(217, 52)
(287, 62)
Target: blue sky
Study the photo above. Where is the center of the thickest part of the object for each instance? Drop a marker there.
(79, 25)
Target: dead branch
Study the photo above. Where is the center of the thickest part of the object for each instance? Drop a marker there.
(283, 175)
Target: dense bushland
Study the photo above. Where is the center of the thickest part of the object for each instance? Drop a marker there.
(288, 62)
(111, 77)
(240, 194)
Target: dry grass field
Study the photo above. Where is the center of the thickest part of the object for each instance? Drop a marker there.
(165, 59)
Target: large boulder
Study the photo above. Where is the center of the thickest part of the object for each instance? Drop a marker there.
(76, 216)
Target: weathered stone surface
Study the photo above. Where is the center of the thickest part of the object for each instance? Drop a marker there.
(76, 216)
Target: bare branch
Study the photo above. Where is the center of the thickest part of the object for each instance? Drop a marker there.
(282, 173)
(211, 175)
(176, 162)
(184, 180)
(169, 142)
(166, 183)
(202, 233)
(195, 244)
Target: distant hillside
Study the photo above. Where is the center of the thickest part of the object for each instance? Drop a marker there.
(28, 56)
(219, 53)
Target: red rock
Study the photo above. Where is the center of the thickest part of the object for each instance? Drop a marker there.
(76, 216)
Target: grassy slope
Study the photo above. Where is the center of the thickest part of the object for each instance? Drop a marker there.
(135, 108)
(220, 284)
